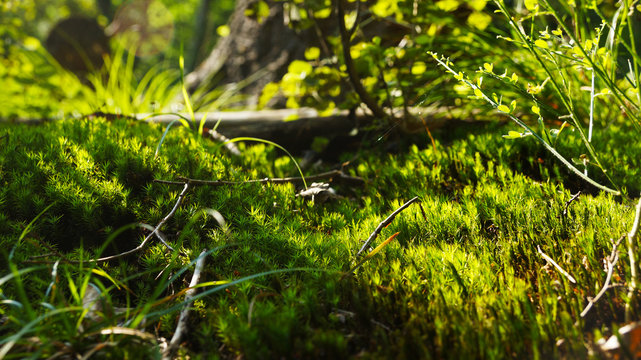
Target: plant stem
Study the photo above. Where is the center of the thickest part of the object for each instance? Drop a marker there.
(351, 69)
(632, 286)
(536, 136)
(565, 99)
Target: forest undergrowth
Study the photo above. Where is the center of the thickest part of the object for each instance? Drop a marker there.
(466, 276)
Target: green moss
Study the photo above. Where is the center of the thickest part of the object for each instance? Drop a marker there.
(463, 279)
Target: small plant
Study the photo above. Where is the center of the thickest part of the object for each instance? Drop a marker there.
(577, 80)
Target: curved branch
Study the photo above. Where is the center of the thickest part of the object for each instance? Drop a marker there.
(367, 99)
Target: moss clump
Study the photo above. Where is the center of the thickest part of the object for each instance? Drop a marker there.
(463, 279)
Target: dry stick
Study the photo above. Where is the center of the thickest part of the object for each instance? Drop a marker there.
(557, 266)
(155, 232)
(632, 287)
(611, 261)
(339, 174)
(181, 327)
(567, 203)
(385, 223)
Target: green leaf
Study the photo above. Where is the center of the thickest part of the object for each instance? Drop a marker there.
(541, 43)
(323, 13)
(300, 68)
(385, 8)
(418, 68)
(269, 91)
(479, 20)
(223, 31)
(531, 5)
(477, 5)
(511, 135)
(312, 53)
(504, 108)
(448, 5)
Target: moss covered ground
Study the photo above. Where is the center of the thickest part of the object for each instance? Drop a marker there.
(464, 278)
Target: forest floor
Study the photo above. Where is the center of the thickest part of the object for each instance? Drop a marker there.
(465, 271)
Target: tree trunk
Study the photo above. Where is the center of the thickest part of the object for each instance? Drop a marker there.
(267, 45)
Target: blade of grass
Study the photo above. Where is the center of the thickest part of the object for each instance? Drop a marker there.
(190, 110)
(223, 287)
(300, 171)
(164, 134)
(201, 126)
(372, 253)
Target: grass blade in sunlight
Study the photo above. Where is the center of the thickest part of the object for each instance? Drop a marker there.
(300, 171)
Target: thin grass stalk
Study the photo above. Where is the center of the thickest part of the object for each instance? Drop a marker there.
(610, 84)
(591, 123)
(159, 313)
(635, 62)
(632, 251)
(549, 147)
(300, 171)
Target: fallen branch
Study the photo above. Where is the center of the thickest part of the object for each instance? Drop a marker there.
(275, 125)
(181, 327)
(611, 261)
(384, 223)
(332, 175)
(557, 266)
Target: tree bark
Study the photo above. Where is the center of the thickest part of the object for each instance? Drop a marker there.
(254, 44)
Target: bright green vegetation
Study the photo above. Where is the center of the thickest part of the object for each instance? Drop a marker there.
(466, 280)
(464, 274)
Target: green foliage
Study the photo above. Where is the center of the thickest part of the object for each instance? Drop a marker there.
(469, 268)
(575, 74)
(460, 276)
(33, 85)
(389, 43)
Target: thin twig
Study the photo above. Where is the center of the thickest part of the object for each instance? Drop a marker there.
(335, 174)
(384, 223)
(422, 211)
(154, 232)
(632, 248)
(611, 261)
(53, 252)
(160, 236)
(567, 203)
(557, 266)
(181, 327)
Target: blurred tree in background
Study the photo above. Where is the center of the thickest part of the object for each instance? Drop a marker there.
(32, 85)
(195, 29)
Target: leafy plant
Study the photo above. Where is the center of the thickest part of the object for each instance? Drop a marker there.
(580, 64)
(379, 55)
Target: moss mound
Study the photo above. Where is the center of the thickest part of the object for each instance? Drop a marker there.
(463, 279)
